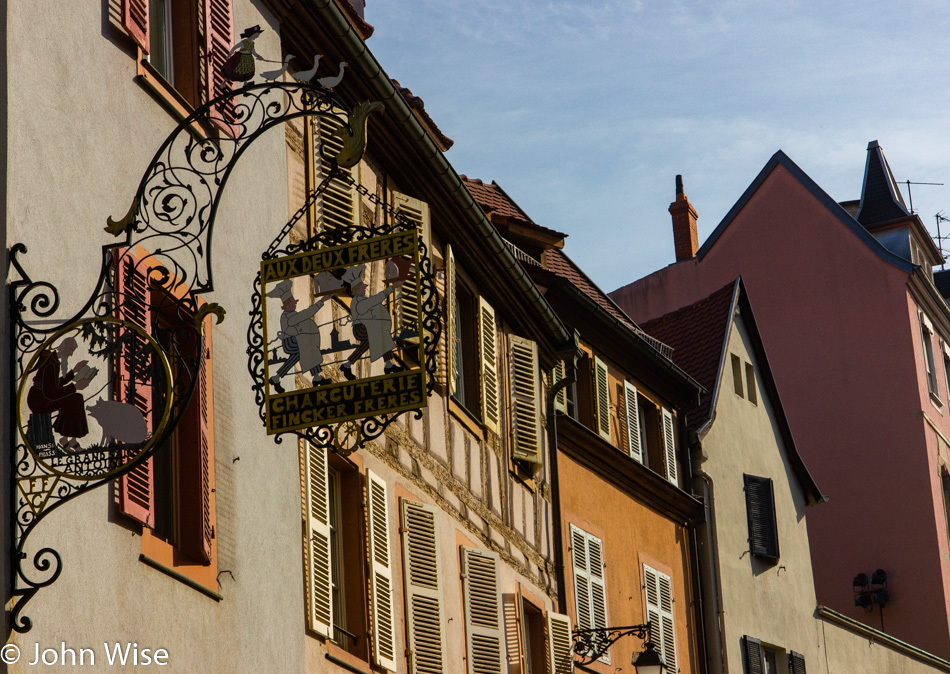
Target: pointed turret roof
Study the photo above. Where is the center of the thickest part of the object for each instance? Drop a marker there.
(881, 200)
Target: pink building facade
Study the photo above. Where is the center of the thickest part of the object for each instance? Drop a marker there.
(858, 339)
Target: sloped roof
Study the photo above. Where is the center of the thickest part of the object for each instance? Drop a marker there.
(497, 204)
(881, 200)
(418, 107)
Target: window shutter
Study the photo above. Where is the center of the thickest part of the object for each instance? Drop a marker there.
(452, 350)
(384, 633)
(406, 315)
(337, 205)
(319, 579)
(482, 611)
(669, 446)
(659, 600)
(524, 399)
(754, 661)
(633, 421)
(204, 417)
(796, 663)
(135, 21)
(219, 36)
(598, 593)
(488, 359)
(560, 644)
(133, 304)
(760, 510)
(602, 398)
(557, 374)
(581, 578)
(423, 595)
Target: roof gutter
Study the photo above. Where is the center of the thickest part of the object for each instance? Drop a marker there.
(362, 61)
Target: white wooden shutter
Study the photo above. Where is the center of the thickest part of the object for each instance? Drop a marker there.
(581, 578)
(423, 595)
(557, 374)
(560, 643)
(406, 297)
(602, 398)
(383, 621)
(633, 421)
(524, 399)
(452, 350)
(590, 597)
(488, 363)
(319, 578)
(482, 611)
(659, 601)
(669, 446)
(338, 206)
(598, 591)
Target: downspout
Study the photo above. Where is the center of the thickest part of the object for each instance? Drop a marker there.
(713, 565)
(698, 605)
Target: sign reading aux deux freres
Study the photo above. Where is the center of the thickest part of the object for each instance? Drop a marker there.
(304, 342)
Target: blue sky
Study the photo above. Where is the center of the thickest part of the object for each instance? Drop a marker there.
(584, 112)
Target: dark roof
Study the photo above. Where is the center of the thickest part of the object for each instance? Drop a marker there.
(881, 200)
(942, 282)
(500, 207)
(782, 159)
(418, 107)
(698, 334)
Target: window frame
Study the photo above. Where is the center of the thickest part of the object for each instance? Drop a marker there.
(761, 518)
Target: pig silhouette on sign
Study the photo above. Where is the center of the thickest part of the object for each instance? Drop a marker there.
(119, 421)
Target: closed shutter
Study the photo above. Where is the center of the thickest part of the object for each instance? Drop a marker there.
(524, 399)
(135, 21)
(384, 633)
(598, 592)
(482, 611)
(488, 363)
(560, 644)
(205, 403)
(406, 297)
(219, 36)
(319, 569)
(337, 206)
(632, 411)
(754, 660)
(796, 663)
(590, 596)
(423, 594)
(452, 350)
(659, 600)
(133, 304)
(760, 511)
(669, 445)
(557, 374)
(581, 578)
(602, 398)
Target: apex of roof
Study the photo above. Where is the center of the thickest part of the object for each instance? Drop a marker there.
(502, 209)
(418, 107)
(881, 199)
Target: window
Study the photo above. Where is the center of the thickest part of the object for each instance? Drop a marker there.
(483, 624)
(737, 375)
(184, 42)
(760, 511)
(171, 494)
(532, 636)
(461, 337)
(926, 335)
(658, 591)
(750, 384)
(590, 596)
(426, 641)
(760, 658)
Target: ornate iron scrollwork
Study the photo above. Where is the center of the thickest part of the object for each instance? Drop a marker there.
(591, 644)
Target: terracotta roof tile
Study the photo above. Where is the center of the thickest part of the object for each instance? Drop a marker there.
(497, 204)
(418, 107)
(697, 334)
(364, 29)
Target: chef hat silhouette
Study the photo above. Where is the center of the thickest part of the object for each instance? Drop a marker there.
(283, 290)
(354, 275)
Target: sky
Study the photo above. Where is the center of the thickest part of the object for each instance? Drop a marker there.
(584, 111)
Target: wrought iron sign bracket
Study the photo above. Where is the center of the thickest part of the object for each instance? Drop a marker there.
(591, 644)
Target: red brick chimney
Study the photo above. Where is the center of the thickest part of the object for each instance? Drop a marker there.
(685, 239)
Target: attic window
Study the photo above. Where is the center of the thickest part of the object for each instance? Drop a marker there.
(737, 374)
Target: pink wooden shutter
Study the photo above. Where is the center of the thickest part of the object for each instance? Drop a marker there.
(204, 391)
(134, 386)
(219, 31)
(135, 21)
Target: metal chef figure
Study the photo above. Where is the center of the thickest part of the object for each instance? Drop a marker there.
(299, 336)
(372, 324)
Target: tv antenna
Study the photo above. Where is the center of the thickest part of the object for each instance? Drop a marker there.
(910, 196)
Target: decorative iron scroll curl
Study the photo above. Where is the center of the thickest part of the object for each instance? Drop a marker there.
(591, 644)
(98, 392)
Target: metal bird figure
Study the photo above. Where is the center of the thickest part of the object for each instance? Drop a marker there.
(272, 75)
(330, 82)
(307, 75)
(354, 140)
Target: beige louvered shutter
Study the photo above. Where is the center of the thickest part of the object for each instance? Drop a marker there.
(406, 297)
(381, 580)
(452, 350)
(581, 578)
(524, 399)
(669, 446)
(488, 363)
(633, 421)
(602, 398)
(319, 568)
(557, 374)
(338, 206)
(598, 593)
(483, 627)
(665, 591)
(423, 595)
(560, 643)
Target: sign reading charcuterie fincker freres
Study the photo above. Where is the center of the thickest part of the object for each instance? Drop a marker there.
(355, 306)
